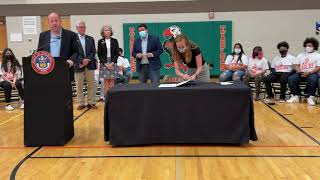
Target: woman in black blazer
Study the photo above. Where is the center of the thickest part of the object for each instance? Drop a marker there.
(107, 53)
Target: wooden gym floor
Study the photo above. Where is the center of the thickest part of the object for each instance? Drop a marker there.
(288, 148)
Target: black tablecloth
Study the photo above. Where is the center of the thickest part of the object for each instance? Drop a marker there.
(138, 114)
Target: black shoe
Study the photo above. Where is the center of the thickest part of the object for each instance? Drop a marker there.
(80, 107)
(92, 106)
(257, 98)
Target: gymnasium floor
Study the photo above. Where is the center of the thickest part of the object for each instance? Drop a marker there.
(288, 148)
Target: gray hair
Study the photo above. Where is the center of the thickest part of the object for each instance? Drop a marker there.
(80, 22)
(102, 30)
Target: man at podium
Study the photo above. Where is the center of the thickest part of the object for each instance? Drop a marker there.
(48, 116)
(58, 41)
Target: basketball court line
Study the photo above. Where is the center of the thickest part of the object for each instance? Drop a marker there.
(195, 145)
(5, 122)
(30, 156)
(292, 123)
(16, 168)
(253, 146)
(177, 156)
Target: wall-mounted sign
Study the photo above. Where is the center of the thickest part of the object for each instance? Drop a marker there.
(29, 24)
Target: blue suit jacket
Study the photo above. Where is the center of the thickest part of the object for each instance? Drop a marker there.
(154, 46)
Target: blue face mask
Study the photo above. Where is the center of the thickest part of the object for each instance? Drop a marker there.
(143, 34)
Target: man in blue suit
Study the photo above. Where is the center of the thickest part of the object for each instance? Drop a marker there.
(147, 50)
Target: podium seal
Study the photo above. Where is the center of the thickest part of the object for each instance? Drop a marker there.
(42, 62)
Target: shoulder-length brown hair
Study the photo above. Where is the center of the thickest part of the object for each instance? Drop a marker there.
(176, 55)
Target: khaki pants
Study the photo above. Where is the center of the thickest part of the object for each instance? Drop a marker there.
(87, 75)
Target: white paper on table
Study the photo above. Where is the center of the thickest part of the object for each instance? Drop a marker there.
(226, 83)
(167, 85)
(173, 85)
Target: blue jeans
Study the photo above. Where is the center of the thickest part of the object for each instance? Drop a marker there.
(122, 79)
(319, 85)
(229, 75)
(295, 79)
(146, 73)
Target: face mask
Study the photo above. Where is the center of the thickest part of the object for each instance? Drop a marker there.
(237, 50)
(309, 49)
(283, 53)
(255, 54)
(182, 50)
(260, 56)
(143, 34)
(9, 57)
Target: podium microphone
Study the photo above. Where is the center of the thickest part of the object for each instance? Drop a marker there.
(47, 44)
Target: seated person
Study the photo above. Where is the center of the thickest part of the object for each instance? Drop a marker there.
(307, 66)
(258, 65)
(123, 66)
(11, 77)
(281, 69)
(236, 65)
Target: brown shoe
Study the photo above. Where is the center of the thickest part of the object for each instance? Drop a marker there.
(80, 107)
(92, 106)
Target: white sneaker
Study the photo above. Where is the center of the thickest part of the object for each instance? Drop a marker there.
(102, 99)
(9, 107)
(293, 99)
(22, 106)
(310, 101)
(269, 101)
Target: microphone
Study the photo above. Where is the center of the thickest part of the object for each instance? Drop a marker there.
(47, 44)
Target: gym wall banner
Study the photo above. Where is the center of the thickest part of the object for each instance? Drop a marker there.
(213, 37)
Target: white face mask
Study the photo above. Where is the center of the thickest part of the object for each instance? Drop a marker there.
(237, 50)
(182, 50)
(309, 49)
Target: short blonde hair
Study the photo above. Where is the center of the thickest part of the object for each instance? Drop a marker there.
(102, 30)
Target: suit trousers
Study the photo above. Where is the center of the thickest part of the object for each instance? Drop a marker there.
(87, 75)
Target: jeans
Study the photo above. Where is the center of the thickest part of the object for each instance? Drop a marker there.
(146, 73)
(122, 79)
(229, 75)
(295, 79)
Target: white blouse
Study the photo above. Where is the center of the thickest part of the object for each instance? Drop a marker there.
(108, 46)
